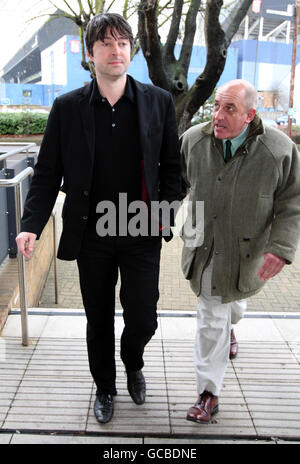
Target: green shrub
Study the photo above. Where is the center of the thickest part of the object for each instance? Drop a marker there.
(205, 112)
(26, 122)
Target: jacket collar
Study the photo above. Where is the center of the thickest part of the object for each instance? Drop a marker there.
(144, 106)
(87, 116)
(86, 91)
(142, 89)
(256, 128)
(96, 96)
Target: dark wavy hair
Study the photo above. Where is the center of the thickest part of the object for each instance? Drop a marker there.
(97, 27)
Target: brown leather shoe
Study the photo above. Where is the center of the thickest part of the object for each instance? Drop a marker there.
(233, 346)
(205, 407)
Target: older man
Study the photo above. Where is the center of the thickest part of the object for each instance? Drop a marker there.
(248, 176)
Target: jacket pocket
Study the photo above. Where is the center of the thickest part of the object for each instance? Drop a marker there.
(251, 258)
(264, 212)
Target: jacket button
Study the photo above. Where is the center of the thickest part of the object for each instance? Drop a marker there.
(85, 193)
(85, 218)
(217, 252)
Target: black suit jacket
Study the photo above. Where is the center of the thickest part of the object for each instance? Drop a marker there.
(67, 152)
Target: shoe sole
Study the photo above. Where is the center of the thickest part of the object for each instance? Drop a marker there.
(214, 411)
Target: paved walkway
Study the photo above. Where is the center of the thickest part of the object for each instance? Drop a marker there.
(47, 392)
(279, 294)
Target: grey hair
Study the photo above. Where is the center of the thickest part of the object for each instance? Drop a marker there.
(250, 95)
(250, 100)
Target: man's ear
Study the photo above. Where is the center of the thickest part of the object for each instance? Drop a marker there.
(90, 57)
(250, 114)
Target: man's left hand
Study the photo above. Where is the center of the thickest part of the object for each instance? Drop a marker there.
(271, 266)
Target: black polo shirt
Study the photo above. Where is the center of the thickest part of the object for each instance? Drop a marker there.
(117, 165)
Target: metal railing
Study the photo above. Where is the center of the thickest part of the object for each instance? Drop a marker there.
(24, 147)
(16, 183)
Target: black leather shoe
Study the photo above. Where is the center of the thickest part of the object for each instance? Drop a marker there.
(136, 386)
(234, 347)
(104, 407)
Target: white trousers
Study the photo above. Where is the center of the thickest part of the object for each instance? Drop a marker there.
(212, 343)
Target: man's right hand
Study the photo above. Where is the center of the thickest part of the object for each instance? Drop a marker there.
(25, 242)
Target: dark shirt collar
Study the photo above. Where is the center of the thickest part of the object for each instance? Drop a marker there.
(95, 95)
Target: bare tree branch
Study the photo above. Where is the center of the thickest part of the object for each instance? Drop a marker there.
(216, 52)
(173, 32)
(72, 11)
(84, 63)
(236, 19)
(110, 5)
(99, 6)
(90, 6)
(189, 34)
(167, 5)
(125, 9)
(86, 15)
(167, 18)
(150, 43)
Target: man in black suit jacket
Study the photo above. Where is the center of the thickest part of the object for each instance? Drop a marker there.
(113, 137)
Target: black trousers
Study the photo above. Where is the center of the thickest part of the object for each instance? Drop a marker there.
(138, 259)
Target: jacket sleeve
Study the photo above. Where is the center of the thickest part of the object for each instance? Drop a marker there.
(285, 228)
(46, 180)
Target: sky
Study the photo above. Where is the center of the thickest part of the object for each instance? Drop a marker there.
(15, 28)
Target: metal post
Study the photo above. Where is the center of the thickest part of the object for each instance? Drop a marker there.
(292, 83)
(21, 268)
(54, 258)
(16, 183)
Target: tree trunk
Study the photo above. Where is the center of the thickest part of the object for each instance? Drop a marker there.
(217, 42)
(171, 74)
